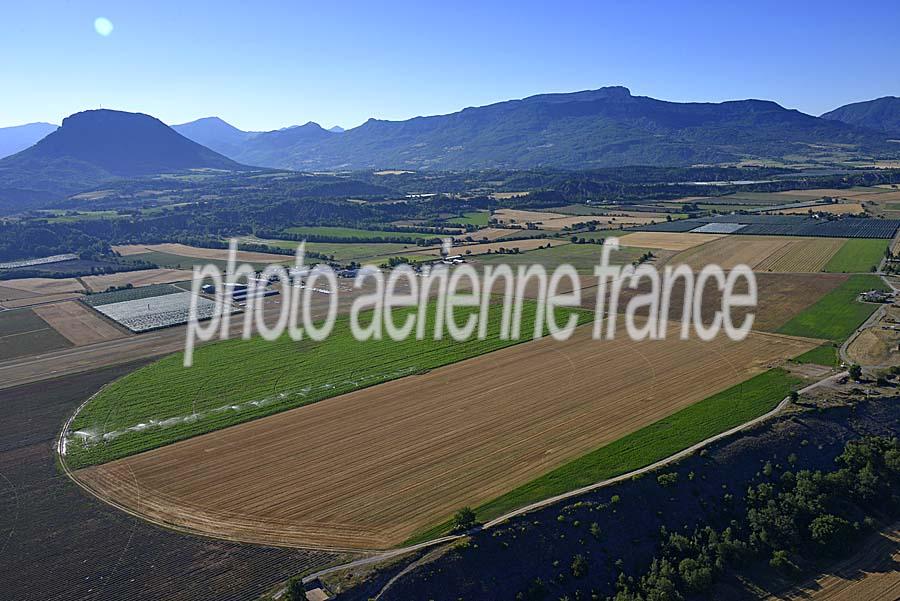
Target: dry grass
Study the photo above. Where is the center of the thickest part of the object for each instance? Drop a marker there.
(763, 253)
(144, 277)
(850, 208)
(871, 573)
(77, 323)
(45, 286)
(822, 192)
(667, 240)
(491, 233)
(367, 469)
(802, 255)
(195, 252)
(877, 345)
(558, 221)
(481, 249)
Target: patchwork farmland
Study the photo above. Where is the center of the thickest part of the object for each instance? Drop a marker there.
(375, 470)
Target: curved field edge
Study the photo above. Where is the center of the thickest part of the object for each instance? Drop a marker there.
(236, 381)
(838, 314)
(713, 415)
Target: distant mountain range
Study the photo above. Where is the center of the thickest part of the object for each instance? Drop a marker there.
(882, 114)
(597, 128)
(607, 127)
(20, 137)
(98, 145)
(215, 134)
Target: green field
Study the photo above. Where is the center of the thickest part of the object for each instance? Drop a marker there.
(857, 256)
(581, 256)
(238, 380)
(361, 252)
(63, 217)
(476, 218)
(706, 418)
(172, 261)
(836, 315)
(350, 232)
(826, 355)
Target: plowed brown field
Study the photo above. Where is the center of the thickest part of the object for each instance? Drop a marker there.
(367, 469)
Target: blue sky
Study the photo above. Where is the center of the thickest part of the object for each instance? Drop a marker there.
(264, 65)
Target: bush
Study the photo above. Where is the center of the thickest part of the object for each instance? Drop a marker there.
(464, 519)
(831, 531)
(666, 480)
(579, 566)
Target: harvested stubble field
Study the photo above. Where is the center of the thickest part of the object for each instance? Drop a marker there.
(667, 240)
(45, 286)
(370, 468)
(763, 253)
(805, 255)
(213, 254)
(493, 247)
(871, 573)
(557, 221)
(850, 208)
(77, 323)
(144, 277)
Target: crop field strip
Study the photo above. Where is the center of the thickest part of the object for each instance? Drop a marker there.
(857, 256)
(274, 376)
(763, 253)
(807, 255)
(494, 247)
(783, 254)
(370, 468)
(558, 221)
(666, 240)
(583, 257)
(357, 233)
(836, 315)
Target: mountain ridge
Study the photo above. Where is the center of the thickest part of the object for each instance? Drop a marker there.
(19, 137)
(606, 127)
(881, 114)
(92, 146)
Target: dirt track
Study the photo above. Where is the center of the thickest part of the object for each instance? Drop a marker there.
(367, 469)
